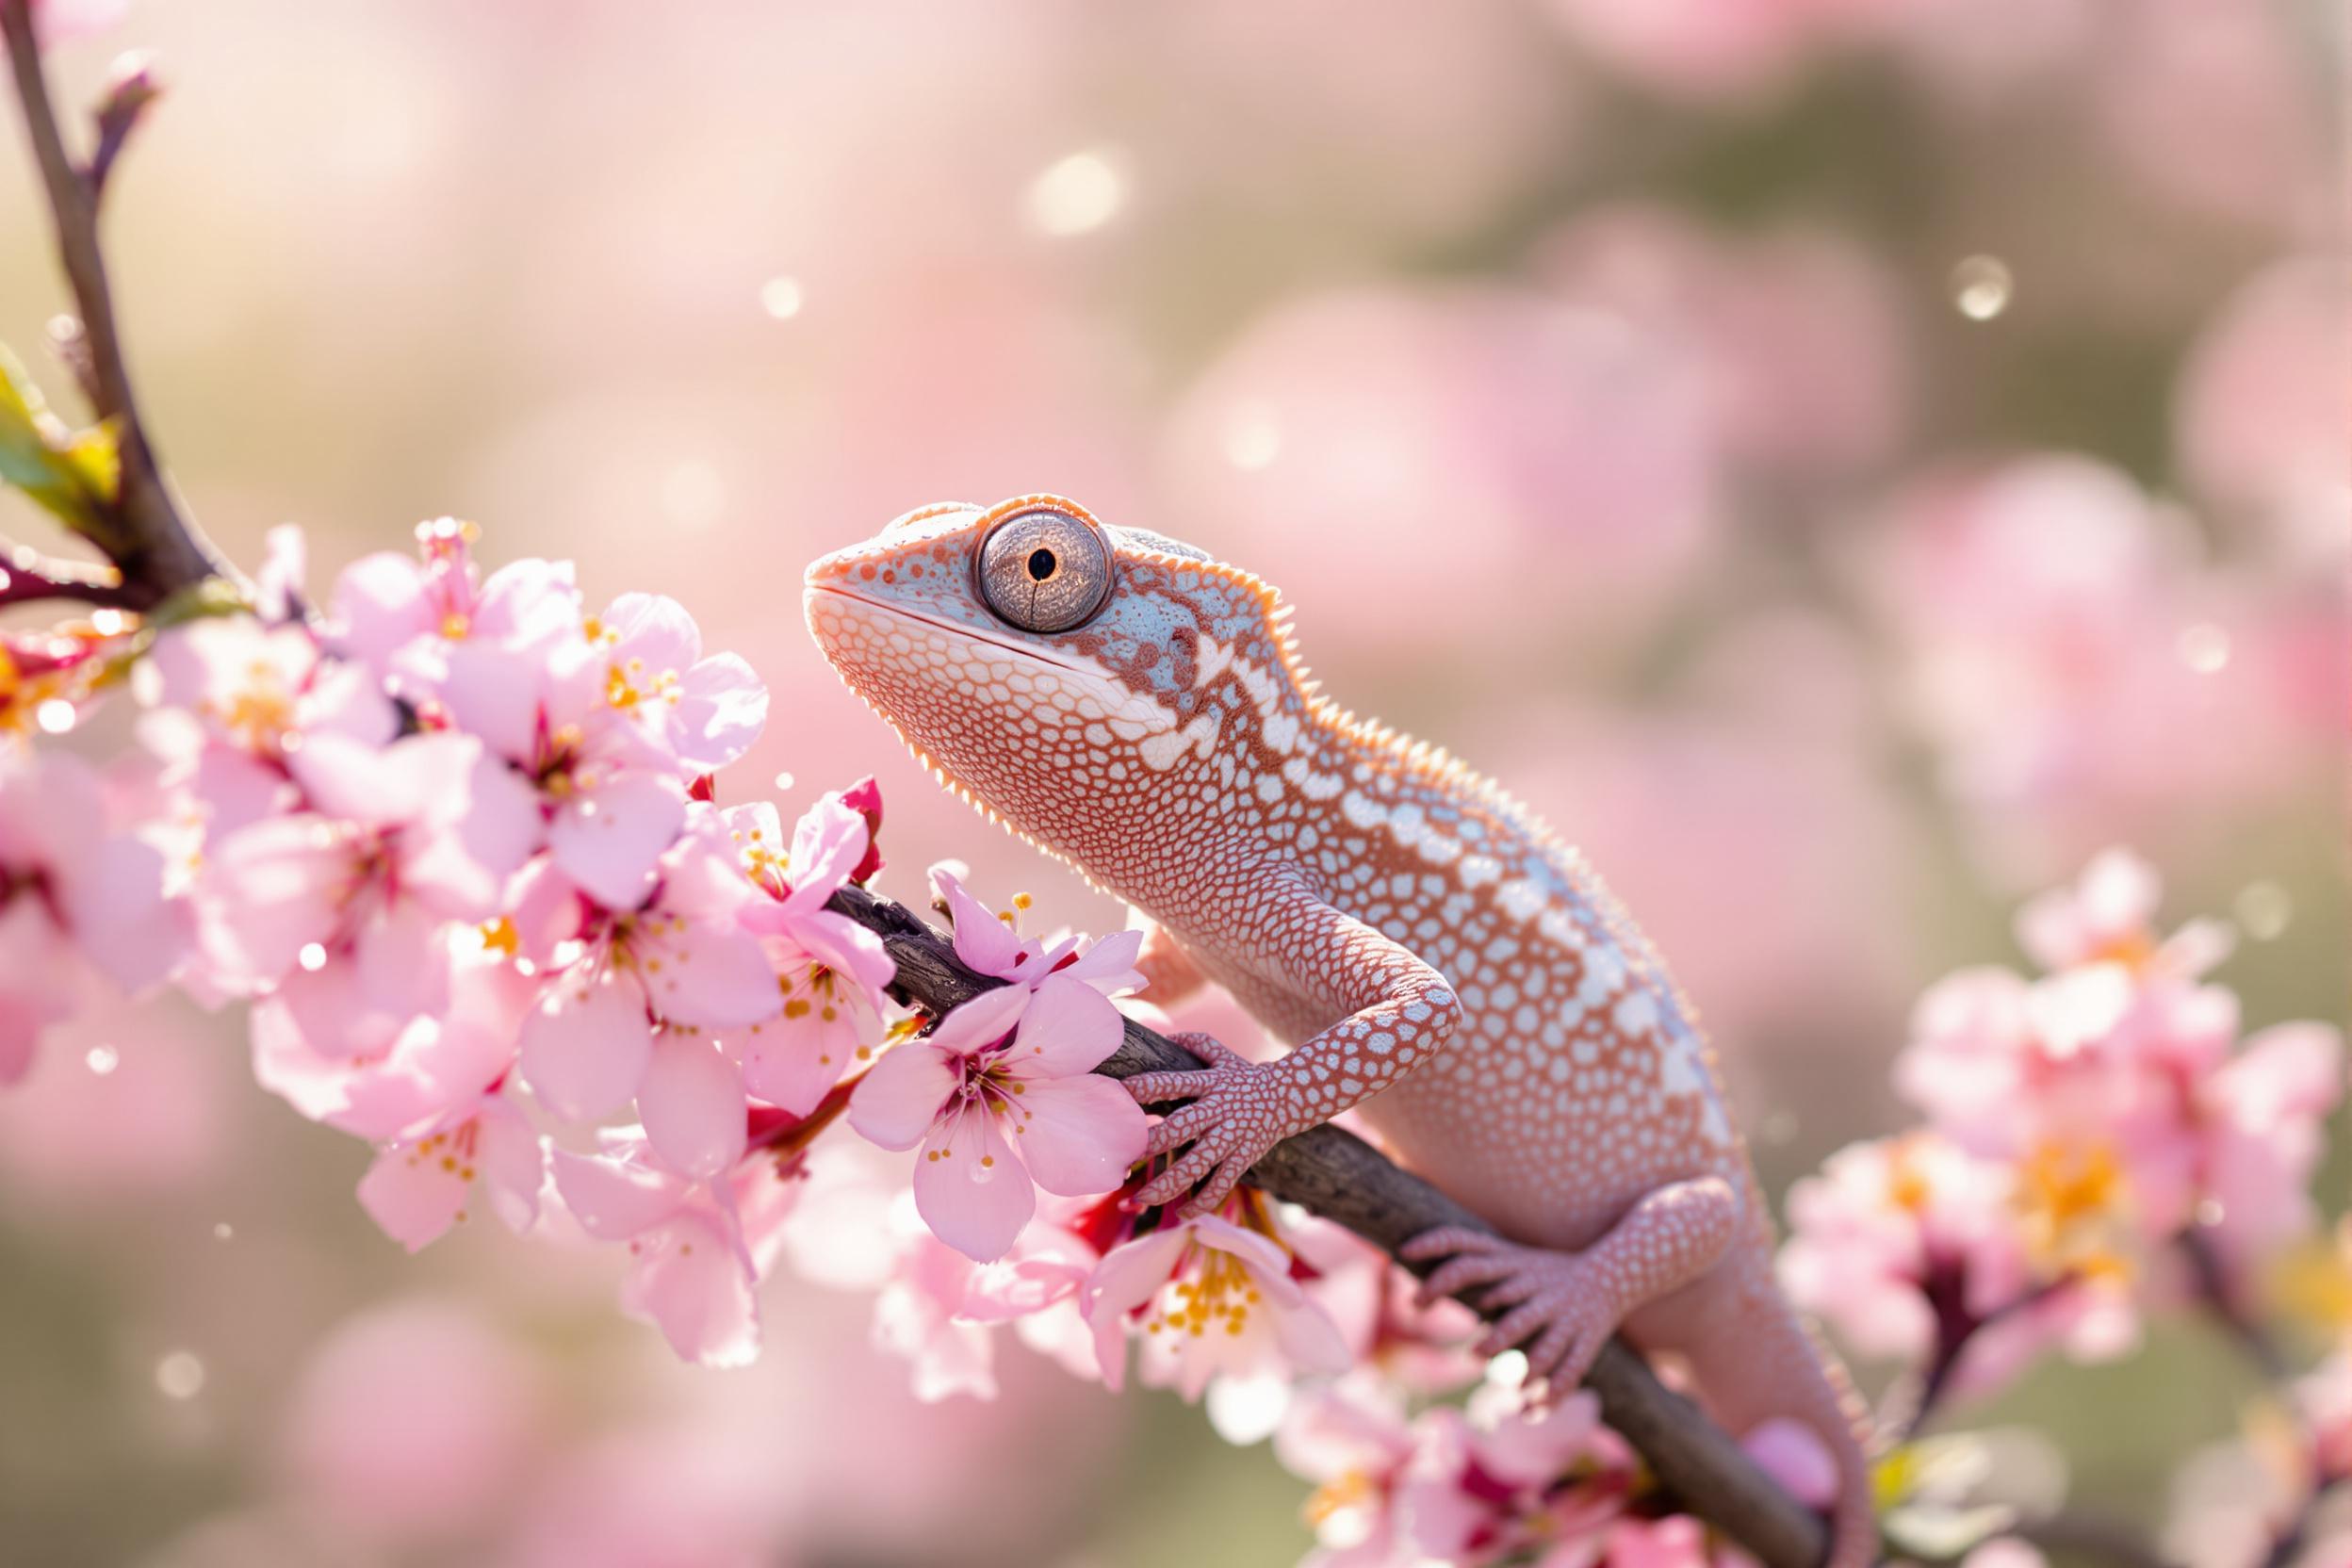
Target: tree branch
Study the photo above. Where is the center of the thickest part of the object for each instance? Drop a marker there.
(157, 549)
(28, 576)
(1338, 1175)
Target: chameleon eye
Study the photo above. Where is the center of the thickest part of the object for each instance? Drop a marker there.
(1044, 570)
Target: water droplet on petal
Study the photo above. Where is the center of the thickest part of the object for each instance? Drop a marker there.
(56, 716)
(312, 957)
(102, 1059)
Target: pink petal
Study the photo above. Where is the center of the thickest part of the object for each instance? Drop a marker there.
(494, 693)
(334, 1013)
(714, 975)
(116, 894)
(513, 1160)
(687, 1282)
(1082, 1134)
(896, 1102)
(1070, 1027)
(1262, 1256)
(1128, 1276)
(378, 605)
(370, 786)
(278, 579)
(827, 843)
(270, 890)
(692, 1105)
(654, 628)
(402, 961)
(970, 1190)
(793, 1063)
(1109, 965)
(586, 1047)
(722, 708)
(615, 1197)
(981, 1021)
(528, 601)
(986, 945)
(411, 1196)
(610, 839)
(481, 836)
(848, 949)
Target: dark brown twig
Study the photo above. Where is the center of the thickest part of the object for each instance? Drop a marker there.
(1333, 1173)
(143, 532)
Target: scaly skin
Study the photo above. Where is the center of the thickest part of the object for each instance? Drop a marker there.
(1438, 957)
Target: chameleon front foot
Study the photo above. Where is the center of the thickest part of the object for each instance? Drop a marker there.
(1559, 1306)
(1239, 1110)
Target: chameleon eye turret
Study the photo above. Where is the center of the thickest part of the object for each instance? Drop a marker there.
(1043, 569)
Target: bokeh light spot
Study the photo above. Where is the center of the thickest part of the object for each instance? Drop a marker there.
(180, 1375)
(1982, 286)
(1078, 194)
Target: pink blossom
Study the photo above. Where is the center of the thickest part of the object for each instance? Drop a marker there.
(1891, 1228)
(403, 617)
(249, 682)
(1489, 1483)
(834, 969)
(684, 960)
(1561, 445)
(705, 711)
(919, 1316)
(411, 1424)
(2259, 411)
(81, 907)
(2108, 916)
(613, 798)
(417, 1188)
(64, 21)
(992, 945)
(1798, 333)
(437, 1065)
(2264, 1115)
(1350, 1437)
(1012, 1069)
(2056, 639)
(1213, 1300)
(698, 1249)
(338, 908)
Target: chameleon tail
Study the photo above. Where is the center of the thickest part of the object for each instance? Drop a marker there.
(1776, 1365)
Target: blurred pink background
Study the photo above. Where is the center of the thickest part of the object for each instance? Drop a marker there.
(1844, 464)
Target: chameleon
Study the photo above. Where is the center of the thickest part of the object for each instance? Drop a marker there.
(1440, 962)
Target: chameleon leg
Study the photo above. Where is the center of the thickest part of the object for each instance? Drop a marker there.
(1394, 1012)
(1562, 1306)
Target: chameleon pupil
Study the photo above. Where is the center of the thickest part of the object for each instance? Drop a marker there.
(1040, 564)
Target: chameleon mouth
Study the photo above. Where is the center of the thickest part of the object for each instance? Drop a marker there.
(960, 628)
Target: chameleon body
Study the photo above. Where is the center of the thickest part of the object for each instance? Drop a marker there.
(1431, 951)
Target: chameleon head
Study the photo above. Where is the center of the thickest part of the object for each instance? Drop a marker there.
(1055, 668)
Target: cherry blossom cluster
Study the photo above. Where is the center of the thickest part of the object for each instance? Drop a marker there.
(1498, 1479)
(2097, 1144)
(454, 839)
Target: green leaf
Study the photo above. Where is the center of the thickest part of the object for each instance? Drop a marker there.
(74, 474)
